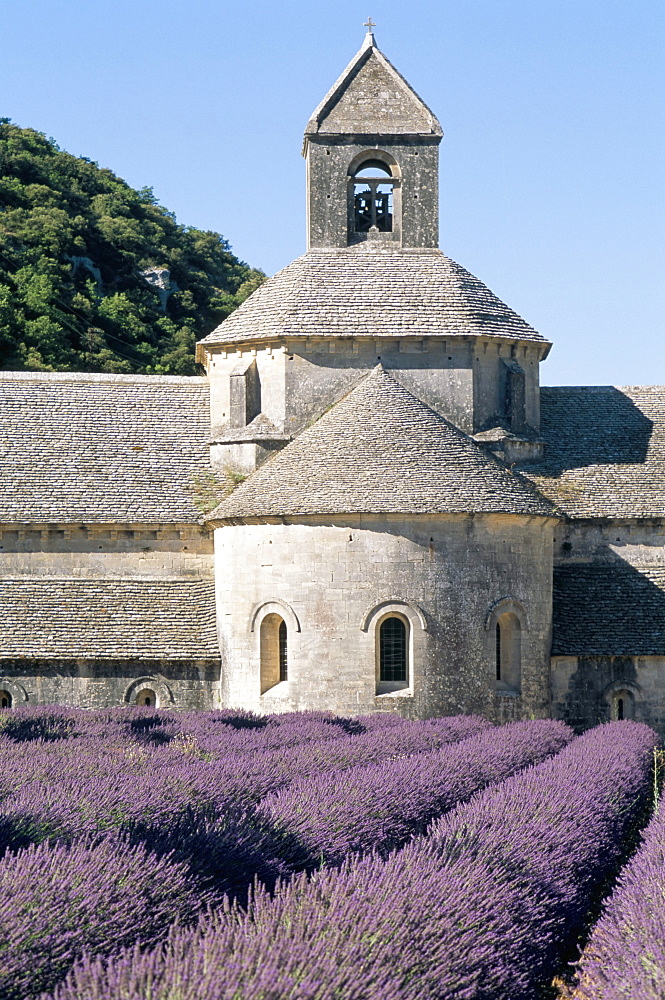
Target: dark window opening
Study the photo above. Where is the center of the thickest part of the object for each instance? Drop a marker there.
(373, 207)
(622, 705)
(508, 652)
(5, 699)
(373, 198)
(146, 698)
(392, 651)
(514, 398)
(283, 649)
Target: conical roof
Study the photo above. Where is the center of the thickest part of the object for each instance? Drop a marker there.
(370, 291)
(372, 98)
(381, 450)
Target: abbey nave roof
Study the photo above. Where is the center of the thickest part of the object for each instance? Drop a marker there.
(101, 448)
(604, 451)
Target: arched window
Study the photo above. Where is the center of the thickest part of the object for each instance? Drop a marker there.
(274, 651)
(149, 692)
(393, 651)
(623, 704)
(147, 698)
(5, 699)
(508, 651)
(398, 633)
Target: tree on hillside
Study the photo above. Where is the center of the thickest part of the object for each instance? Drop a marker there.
(95, 276)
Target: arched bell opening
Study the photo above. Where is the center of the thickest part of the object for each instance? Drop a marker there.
(374, 197)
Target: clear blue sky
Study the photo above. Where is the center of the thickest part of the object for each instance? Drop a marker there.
(552, 164)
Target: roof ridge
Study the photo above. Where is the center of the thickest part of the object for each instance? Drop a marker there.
(109, 377)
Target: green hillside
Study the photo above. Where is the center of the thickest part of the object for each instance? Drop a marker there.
(95, 276)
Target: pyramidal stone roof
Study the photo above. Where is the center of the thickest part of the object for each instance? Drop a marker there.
(372, 98)
(381, 450)
(371, 291)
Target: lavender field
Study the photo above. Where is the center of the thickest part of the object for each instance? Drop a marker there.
(152, 855)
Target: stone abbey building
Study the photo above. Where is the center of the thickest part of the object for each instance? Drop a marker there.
(421, 529)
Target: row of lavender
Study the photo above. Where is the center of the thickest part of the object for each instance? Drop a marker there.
(188, 786)
(625, 956)
(486, 904)
(118, 825)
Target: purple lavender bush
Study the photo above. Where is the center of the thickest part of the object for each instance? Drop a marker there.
(624, 958)
(182, 810)
(268, 772)
(484, 906)
(57, 901)
(173, 796)
(381, 806)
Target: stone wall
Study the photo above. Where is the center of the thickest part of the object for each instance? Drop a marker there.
(328, 161)
(332, 579)
(640, 542)
(185, 684)
(119, 551)
(616, 621)
(586, 690)
(108, 567)
(459, 378)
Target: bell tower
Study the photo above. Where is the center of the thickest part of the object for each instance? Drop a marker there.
(372, 152)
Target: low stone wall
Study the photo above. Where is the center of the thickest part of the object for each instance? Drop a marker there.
(187, 684)
(589, 690)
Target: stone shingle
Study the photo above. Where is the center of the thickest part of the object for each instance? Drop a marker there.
(609, 610)
(100, 448)
(605, 450)
(371, 291)
(107, 619)
(381, 450)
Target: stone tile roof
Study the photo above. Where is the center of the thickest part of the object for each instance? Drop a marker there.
(107, 619)
(605, 450)
(372, 98)
(100, 448)
(609, 610)
(381, 450)
(371, 290)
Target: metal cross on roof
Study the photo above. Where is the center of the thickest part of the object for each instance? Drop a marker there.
(369, 24)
